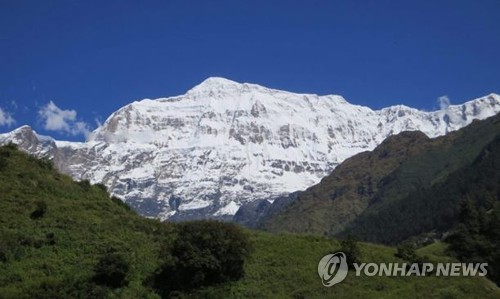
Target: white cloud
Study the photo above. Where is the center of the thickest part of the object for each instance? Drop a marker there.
(63, 121)
(444, 102)
(13, 104)
(6, 119)
(98, 121)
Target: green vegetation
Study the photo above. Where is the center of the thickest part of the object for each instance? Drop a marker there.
(285, 266)
(477, 238)
(328, 207)
(204, 253)
(408, 186)
(63, 239)
(111, 270)
(407, 252)
(66, 239)
(350, 247)
(55, 234)
(436, 208)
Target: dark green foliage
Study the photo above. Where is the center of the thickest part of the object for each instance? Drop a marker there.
(477, 238)
(51, 239)
(469, 216)
(350, 247)
(3, 163)
(46, 163)
(203, 254)
(102, 187)
(111, 270)
(4, 156)
(39, 212)
(85, 184)
(10, 147)
(9, 244)
(407, 252)
(120, 203)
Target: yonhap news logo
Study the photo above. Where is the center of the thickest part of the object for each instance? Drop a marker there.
(333, 269)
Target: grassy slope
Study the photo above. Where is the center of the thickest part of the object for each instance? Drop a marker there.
(284, 266)
(86, 223)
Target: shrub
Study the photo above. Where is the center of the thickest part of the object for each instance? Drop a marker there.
(4, 156)
(8, 243)
(349, 246)
(476, 237)
(102, 187)
(204, 253)
(111, 270)
(10, 146)
(50, 238)
(85, 184)
(45, 163)
(406, 251)
(39, 212)
(119, 202)
(3, 163)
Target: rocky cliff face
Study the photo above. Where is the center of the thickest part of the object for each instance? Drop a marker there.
(223, 144)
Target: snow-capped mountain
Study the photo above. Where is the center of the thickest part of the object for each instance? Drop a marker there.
(222, 144)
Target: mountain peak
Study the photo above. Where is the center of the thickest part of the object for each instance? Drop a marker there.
(27, 139)
(215, 83)
(22, 132)
(23, 129)
(26, 131)
(218, 81)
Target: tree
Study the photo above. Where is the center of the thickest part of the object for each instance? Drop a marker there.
(350, 247)
(406, 251)
(111, 270)
(477, 237)
(469, 215)
(204, 253)
(85, 184)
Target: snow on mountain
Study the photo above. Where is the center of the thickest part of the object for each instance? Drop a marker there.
(30, 141)
(222, 144)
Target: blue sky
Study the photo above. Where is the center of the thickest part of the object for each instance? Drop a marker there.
(66, 65)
